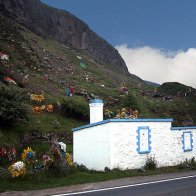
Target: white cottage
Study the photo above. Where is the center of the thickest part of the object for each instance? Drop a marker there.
(126, 143)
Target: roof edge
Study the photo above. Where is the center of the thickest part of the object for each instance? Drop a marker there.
(183, 128)
(124, 120)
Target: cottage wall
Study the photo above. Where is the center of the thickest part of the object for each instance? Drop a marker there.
(166, 145)
(126, 144)
(179, 154)
(91, 147)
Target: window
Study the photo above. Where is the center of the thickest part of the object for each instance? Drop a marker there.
(143, 140)
(187, 141)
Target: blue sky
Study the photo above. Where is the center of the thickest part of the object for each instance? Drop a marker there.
(168, 24)
(156, 28)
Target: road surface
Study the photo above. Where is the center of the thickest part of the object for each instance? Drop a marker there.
(180, 186)
(180, 183)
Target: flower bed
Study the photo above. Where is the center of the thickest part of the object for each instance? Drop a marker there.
(56, 160)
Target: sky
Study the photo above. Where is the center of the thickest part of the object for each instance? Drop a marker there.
(156, 38)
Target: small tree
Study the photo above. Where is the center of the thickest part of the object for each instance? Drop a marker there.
(13, 105)
(150, 164)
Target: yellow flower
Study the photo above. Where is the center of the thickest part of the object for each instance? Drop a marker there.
(69, 159)
(123, 115)
(28, 155)
(38, 98)
(43, 107)
(124, 110)
(17, 169)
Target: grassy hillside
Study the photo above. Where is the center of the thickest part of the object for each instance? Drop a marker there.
(50, 66)
(177, 89)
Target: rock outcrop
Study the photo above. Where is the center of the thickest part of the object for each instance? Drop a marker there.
(61, 26)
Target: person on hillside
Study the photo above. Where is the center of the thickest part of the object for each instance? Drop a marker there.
(71, 91)
(68, 91)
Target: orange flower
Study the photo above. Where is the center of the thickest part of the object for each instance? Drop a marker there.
(36, 109)
(38, 98)
(49, 108)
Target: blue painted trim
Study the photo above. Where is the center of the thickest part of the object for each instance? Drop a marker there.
(95, 101)
(191, 141)
(124, 120)
(138, 140)
(183, 128)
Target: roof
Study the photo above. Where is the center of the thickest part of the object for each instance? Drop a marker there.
(183, 128)
(96, 101)
(124, 120)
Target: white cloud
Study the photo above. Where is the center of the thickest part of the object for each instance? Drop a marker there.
(160, 66)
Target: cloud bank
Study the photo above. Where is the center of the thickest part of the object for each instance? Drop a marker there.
(160, 66)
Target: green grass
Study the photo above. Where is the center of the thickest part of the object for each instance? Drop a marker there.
(173, 88)
(48, 122)
(41, 122)
(43, 180)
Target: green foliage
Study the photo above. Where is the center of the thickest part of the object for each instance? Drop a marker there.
(150, 164)
(4, 173)
(191, 163)
(131, 101)
(82, 168)
(75, 176)
(13, 105)
(75, 107)
(173, 88)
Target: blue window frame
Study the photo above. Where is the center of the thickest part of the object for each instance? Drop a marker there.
(187, 141)
(143, 140)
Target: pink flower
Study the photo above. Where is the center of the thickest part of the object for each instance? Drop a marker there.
(46, 158)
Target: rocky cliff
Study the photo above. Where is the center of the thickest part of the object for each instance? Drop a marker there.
(61, 26)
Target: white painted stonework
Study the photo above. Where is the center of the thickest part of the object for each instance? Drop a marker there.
(126, 143)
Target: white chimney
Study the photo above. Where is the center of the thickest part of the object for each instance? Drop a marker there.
(96, 110)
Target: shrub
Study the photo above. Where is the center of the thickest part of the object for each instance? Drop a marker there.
(4, 173)
(131, 101)
(75, 107)
(13, 105)
(107, 169)
(191, 163)
(82, 168)
(150, 164)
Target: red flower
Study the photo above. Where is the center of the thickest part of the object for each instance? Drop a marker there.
(3, 152)
(13, 151)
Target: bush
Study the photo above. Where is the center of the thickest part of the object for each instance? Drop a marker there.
(13, 105)
(4, 173)
(75, 107)
(131, 101)
(82, 168)
(150, 164)
(191, 163)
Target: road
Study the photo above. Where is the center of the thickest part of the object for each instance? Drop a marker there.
(180, 183)
(182, 186)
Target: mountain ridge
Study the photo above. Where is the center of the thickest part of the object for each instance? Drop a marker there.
(63, 27)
